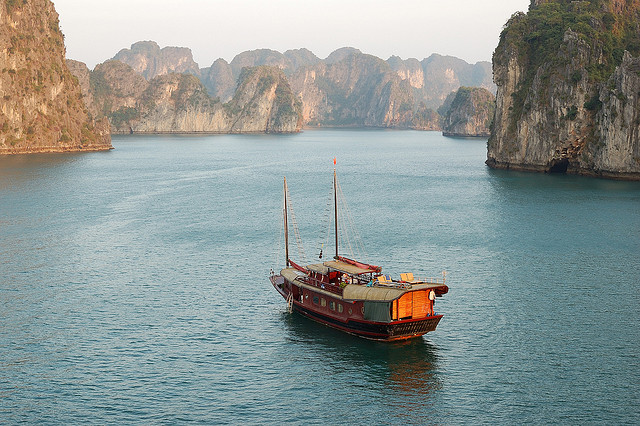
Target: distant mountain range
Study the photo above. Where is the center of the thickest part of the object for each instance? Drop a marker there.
(432, 78)
(348, 88)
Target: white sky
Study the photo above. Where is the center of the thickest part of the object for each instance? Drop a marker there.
(96, 30)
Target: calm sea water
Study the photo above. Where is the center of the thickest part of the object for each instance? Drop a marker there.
(133, 285)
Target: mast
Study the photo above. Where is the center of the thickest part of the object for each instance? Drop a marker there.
(286, 225)
(335, 202)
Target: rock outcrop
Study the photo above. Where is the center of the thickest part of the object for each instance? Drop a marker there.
(470, 113)
(568, 78)
(83, 74)
(220, 79)
(41, 106)
(359, 90)
(255, 58)
(146, 58)
(114, 87)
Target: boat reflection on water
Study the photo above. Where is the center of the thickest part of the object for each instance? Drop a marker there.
(408, 369)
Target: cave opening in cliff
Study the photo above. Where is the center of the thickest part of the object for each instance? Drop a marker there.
(559, 166)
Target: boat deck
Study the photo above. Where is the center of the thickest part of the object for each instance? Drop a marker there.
(351, 292)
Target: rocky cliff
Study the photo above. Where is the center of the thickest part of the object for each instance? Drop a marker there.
(568, 78)
(179, 103)
(470, 113)
(41, 106)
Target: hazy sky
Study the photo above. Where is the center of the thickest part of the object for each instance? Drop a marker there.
(96, 30)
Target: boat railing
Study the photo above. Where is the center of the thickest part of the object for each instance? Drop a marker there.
(427, 280)
(390, 284)
(322, 285)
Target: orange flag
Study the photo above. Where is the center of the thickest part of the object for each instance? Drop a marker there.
(334, 161)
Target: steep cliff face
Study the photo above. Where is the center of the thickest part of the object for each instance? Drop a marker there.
(358, 90)
(219, 80)
(470, 113)
(83, 74)
(179, 103)
(41, 106)
(617, 132)
(567, 96)
(146, 58)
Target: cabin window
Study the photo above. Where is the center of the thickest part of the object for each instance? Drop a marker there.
(377, 311)
(332, 306)
(323, 302)
(315, 300)
(340, 308)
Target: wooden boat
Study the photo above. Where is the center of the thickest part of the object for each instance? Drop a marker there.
(356, 297)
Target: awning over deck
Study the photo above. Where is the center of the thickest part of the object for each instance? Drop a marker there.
(347, 268)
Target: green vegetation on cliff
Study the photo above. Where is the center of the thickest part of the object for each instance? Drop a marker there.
(609, 27)
(537, 34)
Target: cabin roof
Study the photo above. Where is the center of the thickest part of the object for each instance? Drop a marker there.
(385, 294)
(379, 294)
(347, 268)
(318, 267)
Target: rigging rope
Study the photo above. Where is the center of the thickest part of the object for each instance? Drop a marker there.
(327, 222)
(278, 252)
(348, 228)
(296, 231)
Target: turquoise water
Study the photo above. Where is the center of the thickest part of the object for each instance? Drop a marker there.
(133, 285)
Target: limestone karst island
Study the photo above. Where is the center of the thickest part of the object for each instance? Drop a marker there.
(568, 77)
(562, 97)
